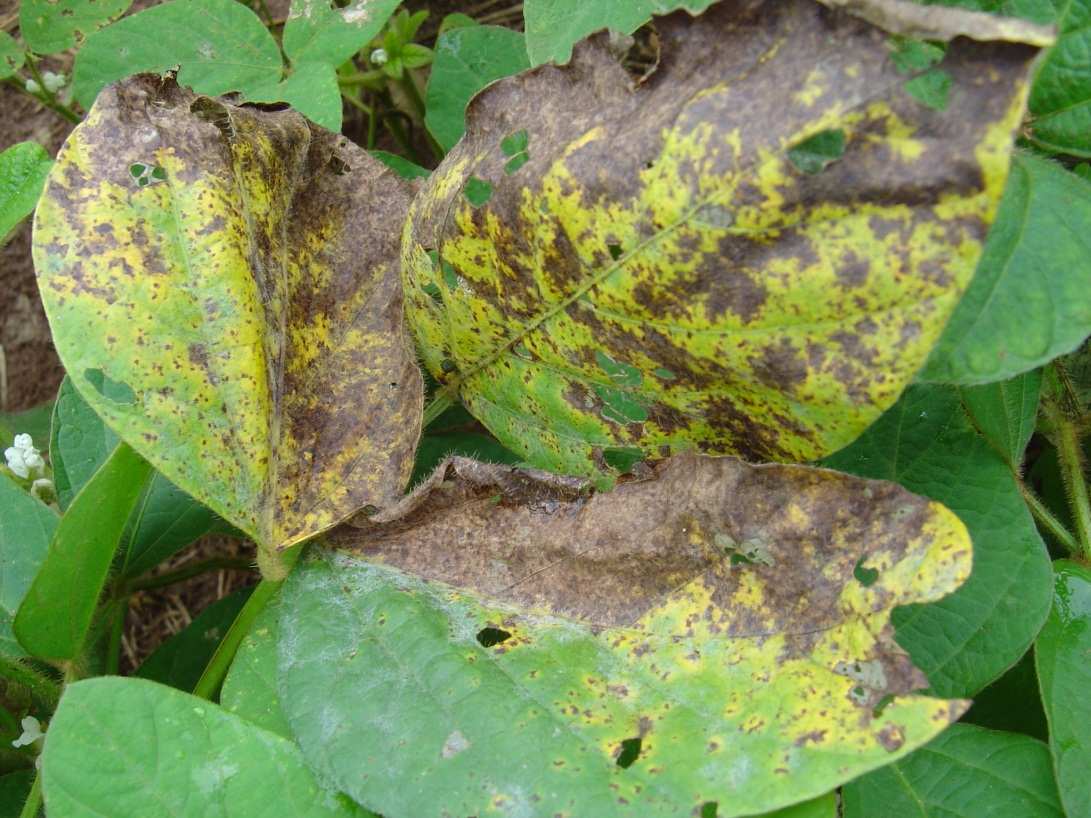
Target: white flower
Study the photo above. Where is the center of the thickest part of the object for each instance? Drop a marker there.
(54, 82)
(43, 489)
(32, 731)
(379, 56)
(23, 458)
(32, 87)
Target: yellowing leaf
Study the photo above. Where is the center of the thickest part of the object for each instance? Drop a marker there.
(718, 633)
(222, 287)
(657, 273)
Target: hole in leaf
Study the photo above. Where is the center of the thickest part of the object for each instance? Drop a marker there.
(931, 89)
(112, 390)
(911, 55)
(708, 809)
(630, 751)
(213, 113)
(339, 165)
(477, 191)
(865, 576)
(433, 292)
(516, 162)
(615, 251)
(492, 636)
(816, 152)
(640, 58)
(450, 275)
(622, 458)
(881, 706)
(515, 143)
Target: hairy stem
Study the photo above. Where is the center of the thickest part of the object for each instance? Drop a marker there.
(1071, 459)
(44, 690)
(1048, 520)
(188, 571)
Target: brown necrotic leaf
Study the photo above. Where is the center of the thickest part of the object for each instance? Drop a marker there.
(222, 286)
(717, 632)
(669, 265)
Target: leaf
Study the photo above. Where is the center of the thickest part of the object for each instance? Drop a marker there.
(690, 638)
(114, 743)
(220, 46)
(164, 520)
(14, 788)
(56, 614)
(250, 689)
(659, 275)
(180, 660)
(260, 317)
(823, 807)
(12, 55)
(401, 166)
(1032, 275)
(23, 169)
(311, 89)
(467, 59)
(1061, 655)
(1005, 413)
(26, 527)
(324, 31)
(1060, 101)
(965, 641)
(1012, 703)
(52, 26)
(965, 773)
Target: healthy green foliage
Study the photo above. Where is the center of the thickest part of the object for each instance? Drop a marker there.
(1004, 412)
(329, 32)
(26, 527)
(927, 444)
(965, 773)
(1060, 102)
(56, 615)
(250, 689)
(52, 26)
(698, 288)
(468, 59)
(1028, 301)
(116, 743)
(23, 170)
(11, 55)
(1062, 652)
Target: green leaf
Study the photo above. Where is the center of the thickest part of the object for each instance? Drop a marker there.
(180, 660)
(963, 642)
(165, 518)
(311, 89)
(26, 527)
(1012, 703)
(56, 614)
(401, 166)
(965, 773)
(23, 169)
(910, 56)
(767, 312)
(266, 367)
(1062, 653)
(12, 55)
(823, 807)
(14, 788)
(1060, 99)
(1005, 413)
(813, 154)
(250, 689)
(1028, 301)
(554, 26)
(513, 644)
(220, 46)
(466, 60)
(322, 31)
(52, 26)
(114, 743)
(34, 422)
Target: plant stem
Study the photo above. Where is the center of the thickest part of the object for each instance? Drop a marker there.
(1048, 520)
(412, 93)
(44, 690)
(440, 403)
(192, 569)
(34, 799)
(117, 628)
(1071, 460)
(47, 97)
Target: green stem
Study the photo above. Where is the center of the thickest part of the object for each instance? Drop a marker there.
(1048, 520)
(117, 628)
(34, 799)
(47, 97)
(440, 403)
(189, 571)
(1071, 460)
(362, 78)
(44, 690)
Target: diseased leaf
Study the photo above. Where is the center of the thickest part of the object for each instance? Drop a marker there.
(326, 31)
(250, 689)
(923, 20)
(965, 773)
(311, 89)
(219, 46)
(466, 60)
(823, 807)
(26, 527)
(965, 641)
(691, 638)
(23, 169)
(180, 660)
(51, 26)
(114, 743)
(247, 300)
(1062, 655)
(1029, 301)
(12, 55)
(1005, 413)
(743, 306)
(1060, 101)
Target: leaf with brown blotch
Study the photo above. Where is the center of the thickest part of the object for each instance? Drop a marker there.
(718, 632)
(222, 286)
(750, 252)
